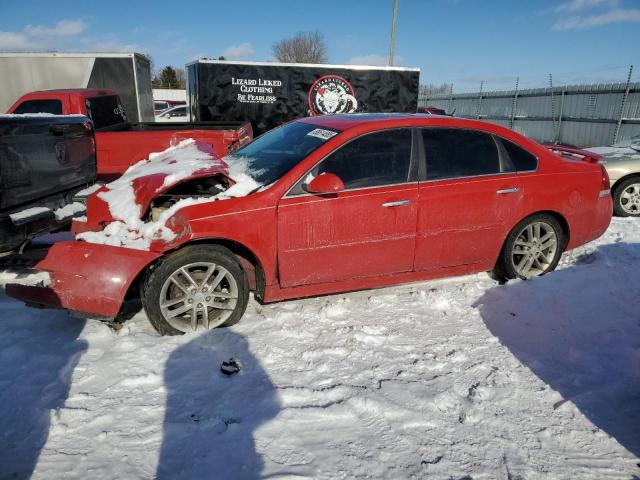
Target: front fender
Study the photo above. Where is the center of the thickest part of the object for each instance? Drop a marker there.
(85, 277)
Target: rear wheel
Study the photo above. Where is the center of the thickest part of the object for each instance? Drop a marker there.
(533, 248)
(626, 198)
(197, 288)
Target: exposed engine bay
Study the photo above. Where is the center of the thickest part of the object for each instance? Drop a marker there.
(199, 188)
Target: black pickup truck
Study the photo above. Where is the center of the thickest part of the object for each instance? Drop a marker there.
(46, 162)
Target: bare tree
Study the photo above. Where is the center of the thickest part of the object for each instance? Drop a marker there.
(432, 89)
(303, 47)
(180, 76)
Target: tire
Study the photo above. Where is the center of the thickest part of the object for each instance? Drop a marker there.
(201, 285)
(626, 198)
(526, 237)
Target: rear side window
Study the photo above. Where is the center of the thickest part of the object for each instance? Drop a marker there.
(105, 111)
(381, 158)
(53, 107)
(520, 159)
(159, 105)
(456, 153)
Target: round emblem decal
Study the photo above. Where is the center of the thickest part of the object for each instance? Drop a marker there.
(331, 94)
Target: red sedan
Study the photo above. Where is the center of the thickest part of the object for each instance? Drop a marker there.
(322, 205)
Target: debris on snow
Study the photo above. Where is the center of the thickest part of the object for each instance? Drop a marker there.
(230, 367)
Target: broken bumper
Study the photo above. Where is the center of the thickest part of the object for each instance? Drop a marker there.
(88, 278)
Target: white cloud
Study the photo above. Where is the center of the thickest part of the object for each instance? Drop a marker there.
(374, 59)
(38, 37)
(580, 5)
(582, 22)
(64, 28)
(14, 41)
(238, 52)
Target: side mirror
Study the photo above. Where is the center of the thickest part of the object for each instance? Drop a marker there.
(325, 183)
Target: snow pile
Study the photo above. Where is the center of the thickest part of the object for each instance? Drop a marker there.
(177, 163)
(89, 190)
(69, 210)
(449, 379)
(27, 213)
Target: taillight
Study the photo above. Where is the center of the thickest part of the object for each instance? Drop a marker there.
(605, 185)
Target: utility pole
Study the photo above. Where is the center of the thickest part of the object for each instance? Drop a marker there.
(392, 49)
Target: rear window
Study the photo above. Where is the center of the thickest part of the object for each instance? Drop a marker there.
(105, 111)
(159, 105)
(53, 107)
(520, 159)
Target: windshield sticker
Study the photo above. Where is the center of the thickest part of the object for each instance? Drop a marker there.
(322, 134)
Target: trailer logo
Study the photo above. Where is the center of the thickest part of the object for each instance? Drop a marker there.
(331, 94)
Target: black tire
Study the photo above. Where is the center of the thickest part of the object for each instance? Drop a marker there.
(505, 268)
(618, 208)
(152, 285)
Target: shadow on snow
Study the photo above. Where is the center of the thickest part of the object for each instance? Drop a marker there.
(578, 330)
(210, 418)
(38, 354)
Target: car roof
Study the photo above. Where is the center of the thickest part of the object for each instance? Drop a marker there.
(352, 120)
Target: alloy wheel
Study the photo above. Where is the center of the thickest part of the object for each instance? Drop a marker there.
(198, 295)
(534, 249)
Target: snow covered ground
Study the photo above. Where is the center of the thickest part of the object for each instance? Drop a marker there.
(452, 379)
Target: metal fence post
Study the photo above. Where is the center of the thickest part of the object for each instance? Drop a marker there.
(449, 110)
(623, 104)
(479, 101)
(553, 105)
(559, 130)
(513, 104)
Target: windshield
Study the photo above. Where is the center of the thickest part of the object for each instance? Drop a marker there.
(276, 152)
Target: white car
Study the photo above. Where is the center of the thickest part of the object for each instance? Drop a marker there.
(622, 161)
(173, 114)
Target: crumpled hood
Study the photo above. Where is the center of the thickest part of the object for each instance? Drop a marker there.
(116, 213)
(131, 194)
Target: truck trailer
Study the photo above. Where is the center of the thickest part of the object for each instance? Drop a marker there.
(129, 74)
(268, 94)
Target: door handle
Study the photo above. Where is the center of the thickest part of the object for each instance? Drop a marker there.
(508, 190)
(399, 203)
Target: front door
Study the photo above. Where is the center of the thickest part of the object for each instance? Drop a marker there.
(368, 229)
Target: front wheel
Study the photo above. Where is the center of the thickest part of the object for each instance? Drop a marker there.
(626, 198)
(197, 288)
(533, 248)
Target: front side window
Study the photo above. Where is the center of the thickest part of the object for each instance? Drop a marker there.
(375, 159)
(458, 153)
(53, 107)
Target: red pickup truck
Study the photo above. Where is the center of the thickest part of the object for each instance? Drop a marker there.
(120, 143)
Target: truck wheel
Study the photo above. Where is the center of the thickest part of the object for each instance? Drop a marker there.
(626, 198)
(197, 288)
(532, 248)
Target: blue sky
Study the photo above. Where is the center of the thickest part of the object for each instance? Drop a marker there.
(453, 41)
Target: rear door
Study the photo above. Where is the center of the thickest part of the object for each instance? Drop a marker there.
(470, 200)
(366, 230)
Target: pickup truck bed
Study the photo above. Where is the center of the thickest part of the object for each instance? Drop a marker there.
(123, 145)
(120, 143)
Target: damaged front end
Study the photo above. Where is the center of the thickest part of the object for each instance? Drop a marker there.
(93, 274)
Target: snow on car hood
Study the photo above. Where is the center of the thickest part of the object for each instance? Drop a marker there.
(128, 198)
